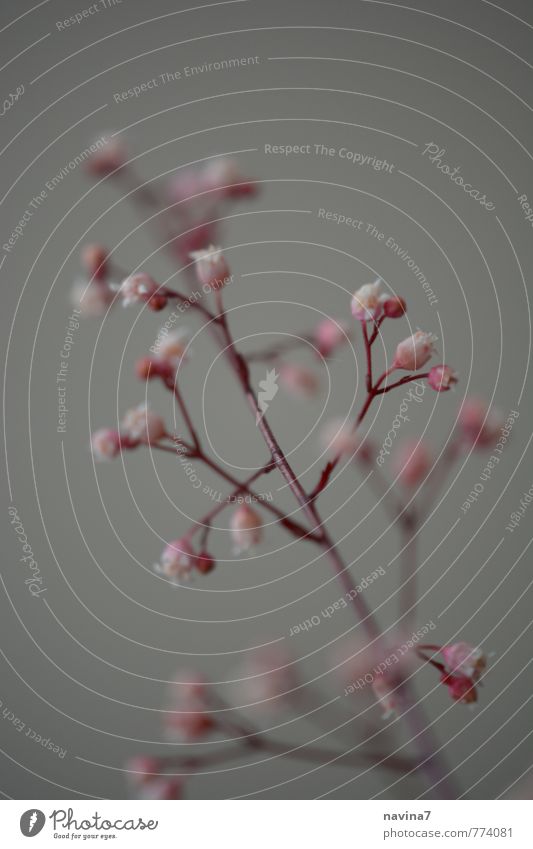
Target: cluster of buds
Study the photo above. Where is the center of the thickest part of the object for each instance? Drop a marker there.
(179, 561)
(461, 670)
(139, 426)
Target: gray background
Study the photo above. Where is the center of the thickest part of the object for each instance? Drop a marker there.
(87, 668)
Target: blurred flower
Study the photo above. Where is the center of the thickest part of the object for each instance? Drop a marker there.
(393, 306)
(93, 299)
(189, 718)
(94, 261)
(339, 437)
(211, 267)
(480, 426)
(330, 335)
(105, 444)
(464, 659)
(267, 678)
(300, 380)
(140, 424)
(106, 158)
(460, 687)
(223, 176)
(140, 288)
(412, 462)
(177, 561)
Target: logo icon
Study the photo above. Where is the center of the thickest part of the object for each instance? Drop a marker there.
(32, 822)
(268, 390)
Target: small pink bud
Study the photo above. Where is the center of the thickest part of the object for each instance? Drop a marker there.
(441, 378)
(177, 561)
(211, 267)
(141, 288)
(412, 462)
(105, 444)
(246, 528)
(300, 380)
(465, 659)
(141, 425)
(480, 425)
(204, 563)
(107, 159)
(394, 307)
(94, 260)
(415, 351)
(148, 368)
(330, 335)
(366, 302)
(460, 687)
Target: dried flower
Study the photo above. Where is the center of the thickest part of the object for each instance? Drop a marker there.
(105, 444)
(140, 424)
(441, 378)
(140, 288)
(177, 561)
(393, 306)
(366, 302)
(465, 659)
(246, 528)
(211, 267)
(415, 351)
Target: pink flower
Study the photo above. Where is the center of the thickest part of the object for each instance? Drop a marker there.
(330, 335)
(465, 659)
(177, 561)
(366, 302)
(393, 306)
(246, 528)
(338, 437)
(190, 718)
(141, 425)
(94, 260)
(105, 444)
(412, 462)
(140, 288)
(186, 184)
(415, 351)
(93, 299)
(211, 267)
(300, 380)
(148, 368)
(223, 176)
(441, 378)
(107, 159)
(460, 687)
(480, 425)
(173, 347)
